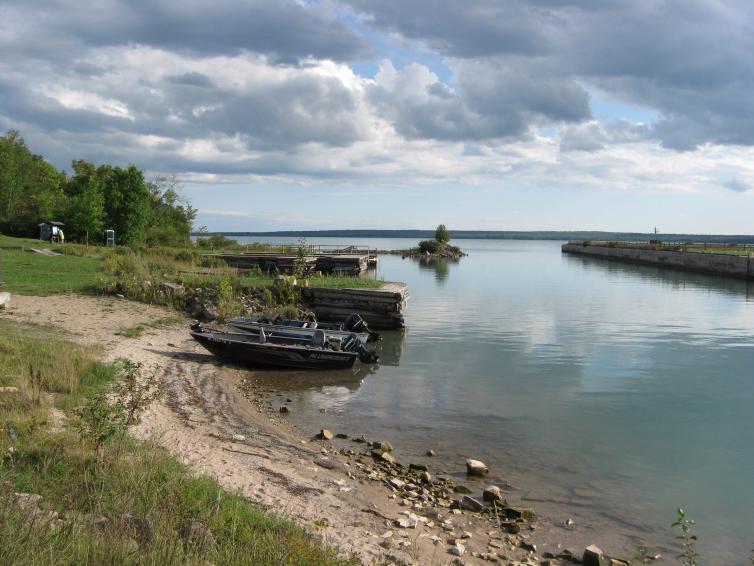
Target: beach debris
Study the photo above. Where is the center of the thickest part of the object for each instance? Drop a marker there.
(457, 549)
(9, 389)
(325, 434)
(4, 298)
(476, 468)
(592, 556)
(44, 251)
(284, 410)
(239, 438)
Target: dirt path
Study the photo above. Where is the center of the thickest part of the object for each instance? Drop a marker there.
(207, 424)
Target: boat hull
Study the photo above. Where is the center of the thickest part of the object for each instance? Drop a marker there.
(274, 355)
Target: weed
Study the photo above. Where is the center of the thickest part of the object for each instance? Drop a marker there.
(689, 555)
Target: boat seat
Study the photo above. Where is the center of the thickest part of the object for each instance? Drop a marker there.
(319, 338)
(262, 336)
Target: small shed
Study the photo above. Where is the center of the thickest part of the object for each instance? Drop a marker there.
(48, 229)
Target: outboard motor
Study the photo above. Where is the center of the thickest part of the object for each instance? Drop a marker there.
(355, 323)
(352, 343)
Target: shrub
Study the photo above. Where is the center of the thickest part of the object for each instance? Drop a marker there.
(430, 246)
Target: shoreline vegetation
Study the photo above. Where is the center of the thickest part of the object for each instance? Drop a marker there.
(74, 488)
(188, 279)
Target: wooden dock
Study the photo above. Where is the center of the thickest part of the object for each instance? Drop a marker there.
(382, 308)
(342, 261)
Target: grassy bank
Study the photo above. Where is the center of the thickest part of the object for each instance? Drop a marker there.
(187, 279)
(134, 505)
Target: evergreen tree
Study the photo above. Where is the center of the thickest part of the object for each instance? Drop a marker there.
(441, 234)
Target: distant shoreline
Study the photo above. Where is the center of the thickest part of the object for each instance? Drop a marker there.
(500, 235)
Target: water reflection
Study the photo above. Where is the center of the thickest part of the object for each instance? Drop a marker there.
(389, 349)
(440, 265)
(675, 278)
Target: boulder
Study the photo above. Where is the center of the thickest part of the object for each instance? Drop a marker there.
(382, 446)
(140, 529)
(470, 504)
(592, 556)
(209, 314)
(197, 533)
(457, 550)
(388, 457)
(492, 493)
(430, 452)
(476, 468)
(325, 434)
(418, 467)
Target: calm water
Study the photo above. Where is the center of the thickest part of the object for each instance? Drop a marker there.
(613, 392)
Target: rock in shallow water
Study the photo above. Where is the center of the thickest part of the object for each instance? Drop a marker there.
(592, 556)
(476, 468)
(325, 434)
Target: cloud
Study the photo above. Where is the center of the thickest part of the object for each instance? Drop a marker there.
(484, 93)
(284, 30)
(491, 100)
(689, 59)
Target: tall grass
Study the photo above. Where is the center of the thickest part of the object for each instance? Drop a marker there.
(138, 506)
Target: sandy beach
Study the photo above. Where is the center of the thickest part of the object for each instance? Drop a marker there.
(338, 495)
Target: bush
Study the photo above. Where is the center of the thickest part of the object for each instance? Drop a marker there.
(430, 246)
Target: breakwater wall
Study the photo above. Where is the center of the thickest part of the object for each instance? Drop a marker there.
(382, 308)
(718, 264)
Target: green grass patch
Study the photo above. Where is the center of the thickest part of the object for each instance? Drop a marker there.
(139, 329)
(345, 282)
(28, 273)
(129, 507)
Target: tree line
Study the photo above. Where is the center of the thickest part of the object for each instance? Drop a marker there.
(91, 200)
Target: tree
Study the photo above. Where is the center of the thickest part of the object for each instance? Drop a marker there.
(442, 235)
(171, 216)
(85, 215)
(30, 188)
(127, 200)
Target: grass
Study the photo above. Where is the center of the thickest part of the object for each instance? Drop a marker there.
(131, 508)
(28, 273)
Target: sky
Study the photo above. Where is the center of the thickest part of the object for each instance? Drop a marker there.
(485, 114)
